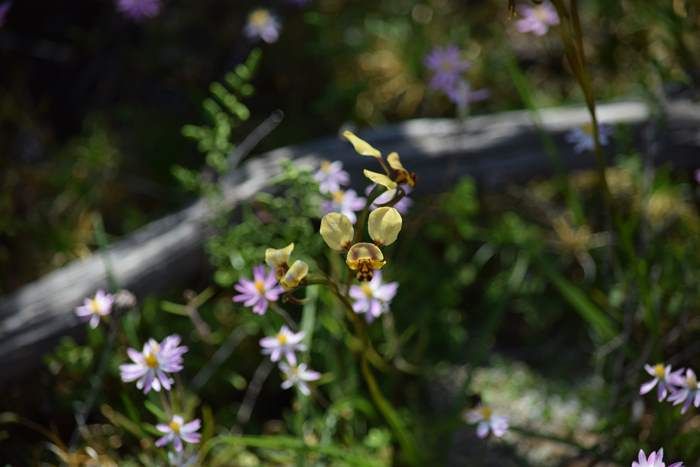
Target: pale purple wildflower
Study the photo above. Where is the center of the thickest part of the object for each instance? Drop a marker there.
(284, 343)
(537, 19)
(462, 94)
(262, 25)
(582, 137)
(298, 375)
(447, 65)
(373, 298)
(331, 177)
(487, 422)
(345, 202)
(402, 205)
(260, 291)
(697, 175)
(4, 9)
(152, 365)
(178, 431)
(664, 378)
(139, 10)
(94, 309)
(688, 393)
(655, 459)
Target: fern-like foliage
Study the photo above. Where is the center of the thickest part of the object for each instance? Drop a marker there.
(225, 111)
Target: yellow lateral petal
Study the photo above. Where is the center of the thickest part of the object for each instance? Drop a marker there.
(394, 161)
(380, 179)
(337, 231)
(384, 225)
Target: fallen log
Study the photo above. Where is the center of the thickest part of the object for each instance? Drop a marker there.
(495, 150)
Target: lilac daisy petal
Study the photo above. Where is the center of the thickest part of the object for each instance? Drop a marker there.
(139, 10)
(331, 177)
(262, 25)
(537, 19)
(374, 297)
(447, 65)
(257, 294)
(150, 367)
(178, 431)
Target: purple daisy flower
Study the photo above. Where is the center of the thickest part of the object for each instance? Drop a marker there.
(262, 25)
(582, 137)
(487, 422)
(345, 202)
(688, 393)
(298, 375)
(537, 19)
(94, 309)
(331, 177)
(152, 365)
(139, 10)
(4, 9)
(447, 65)
(284, 343)
(402, 205)
(655, 459)
(257, 294)
(178, 431)
(664, 379)
(462, 94)
(373, 298)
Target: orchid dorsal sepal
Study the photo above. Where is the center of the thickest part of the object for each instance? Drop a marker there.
(384, 225)
(337, 231)
(361, 146)
(278, 259)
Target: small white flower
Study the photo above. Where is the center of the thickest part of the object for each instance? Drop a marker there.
(298, 375)
(284, 343)
(178, 431)
(96, 308)
(486, 421)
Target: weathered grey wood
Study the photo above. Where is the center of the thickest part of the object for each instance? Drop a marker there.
(495, 150)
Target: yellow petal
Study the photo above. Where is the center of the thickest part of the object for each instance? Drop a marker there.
(380, 179)
(394, 161)
(278, 257)
(297, 272)
(384, 225)
(361, 146)
(337, 231)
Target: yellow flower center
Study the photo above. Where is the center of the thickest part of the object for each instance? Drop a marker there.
(94, 306)
(587, 128)
(282, 338)
(541, 13)
(260, 286)
(175, 426)
(325, 166)
(367, 289)
(151, 360)
(338, 197)
(659, 370)
(486, 412)
(259, 18)
(692, 381)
